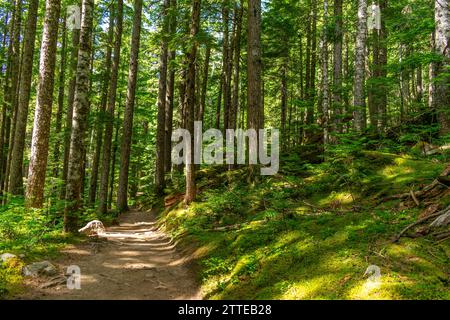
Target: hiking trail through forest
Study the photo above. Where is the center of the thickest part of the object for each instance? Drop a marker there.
(137, 262)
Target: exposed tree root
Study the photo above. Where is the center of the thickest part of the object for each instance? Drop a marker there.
(429, 196)
(437, 189)
(442, 219)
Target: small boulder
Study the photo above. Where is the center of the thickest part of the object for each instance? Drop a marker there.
(40, 268)
(93, 228)
(6, 256)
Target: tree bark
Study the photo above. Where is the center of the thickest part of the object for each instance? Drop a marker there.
(337, 65)
(129, 110)
(190, 102)
(14, 93)
(204, 86)
(162, 92)
(79, 121)
(442, 80)
(225, 64)
(170, 92)
(107, 144)
(70, 102)
(254, 65)
(100, 125)
(16, 180)
(61, 88)
(114, 159)
(42, 115)
(10, 90)
(382, 99)
(284, 133)
(432, 74)
(325, 85)
(359, 101)
(311, 79)
(237, 57)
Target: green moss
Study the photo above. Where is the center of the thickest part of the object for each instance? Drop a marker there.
(10, 278)
(298, 252)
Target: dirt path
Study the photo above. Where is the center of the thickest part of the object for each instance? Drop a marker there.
(139, 262)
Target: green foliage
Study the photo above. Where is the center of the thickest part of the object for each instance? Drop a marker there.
(314, 254)
(222, 206)
(10, 277)
(25, 228)
(215, 266)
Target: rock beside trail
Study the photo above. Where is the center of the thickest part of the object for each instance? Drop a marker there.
(40, 268)
(6, 256)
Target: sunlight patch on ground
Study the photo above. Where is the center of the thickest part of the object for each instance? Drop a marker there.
(337, 198)
(306, 289)
(370, 290)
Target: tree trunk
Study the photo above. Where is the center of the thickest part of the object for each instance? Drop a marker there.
(162, 92)
(79, 122)
(442, 80)
(225, 64)
(219, 100)
(61, 88)
(337, 65)
(42, 115)
(10, 93)
(170, 93)
(16, 181)
(419, 85)
(129, 110)
(190, 102)
(204, 86)
(15, 68)
(312, 72)
(359, 101)
(237, 57)
(70, 102)
(382, 60)
(106, 158)
(432, 72)
(325, 86)
(114, 159)
(100, 125)
(254, 66)
(284, 101)
(6, 92)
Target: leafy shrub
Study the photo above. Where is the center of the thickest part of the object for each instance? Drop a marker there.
(10, 277)
(214, 266)
(23, 229)
(221, 203)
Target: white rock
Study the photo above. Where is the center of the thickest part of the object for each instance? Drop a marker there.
(43, 267)
(6, 256)
(94, 227)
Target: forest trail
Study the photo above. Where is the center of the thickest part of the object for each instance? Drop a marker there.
(137, 262)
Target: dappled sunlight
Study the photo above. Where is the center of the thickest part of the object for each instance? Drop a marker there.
(370, 290)
(307, 289)
(88, 279)
(337, 198)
